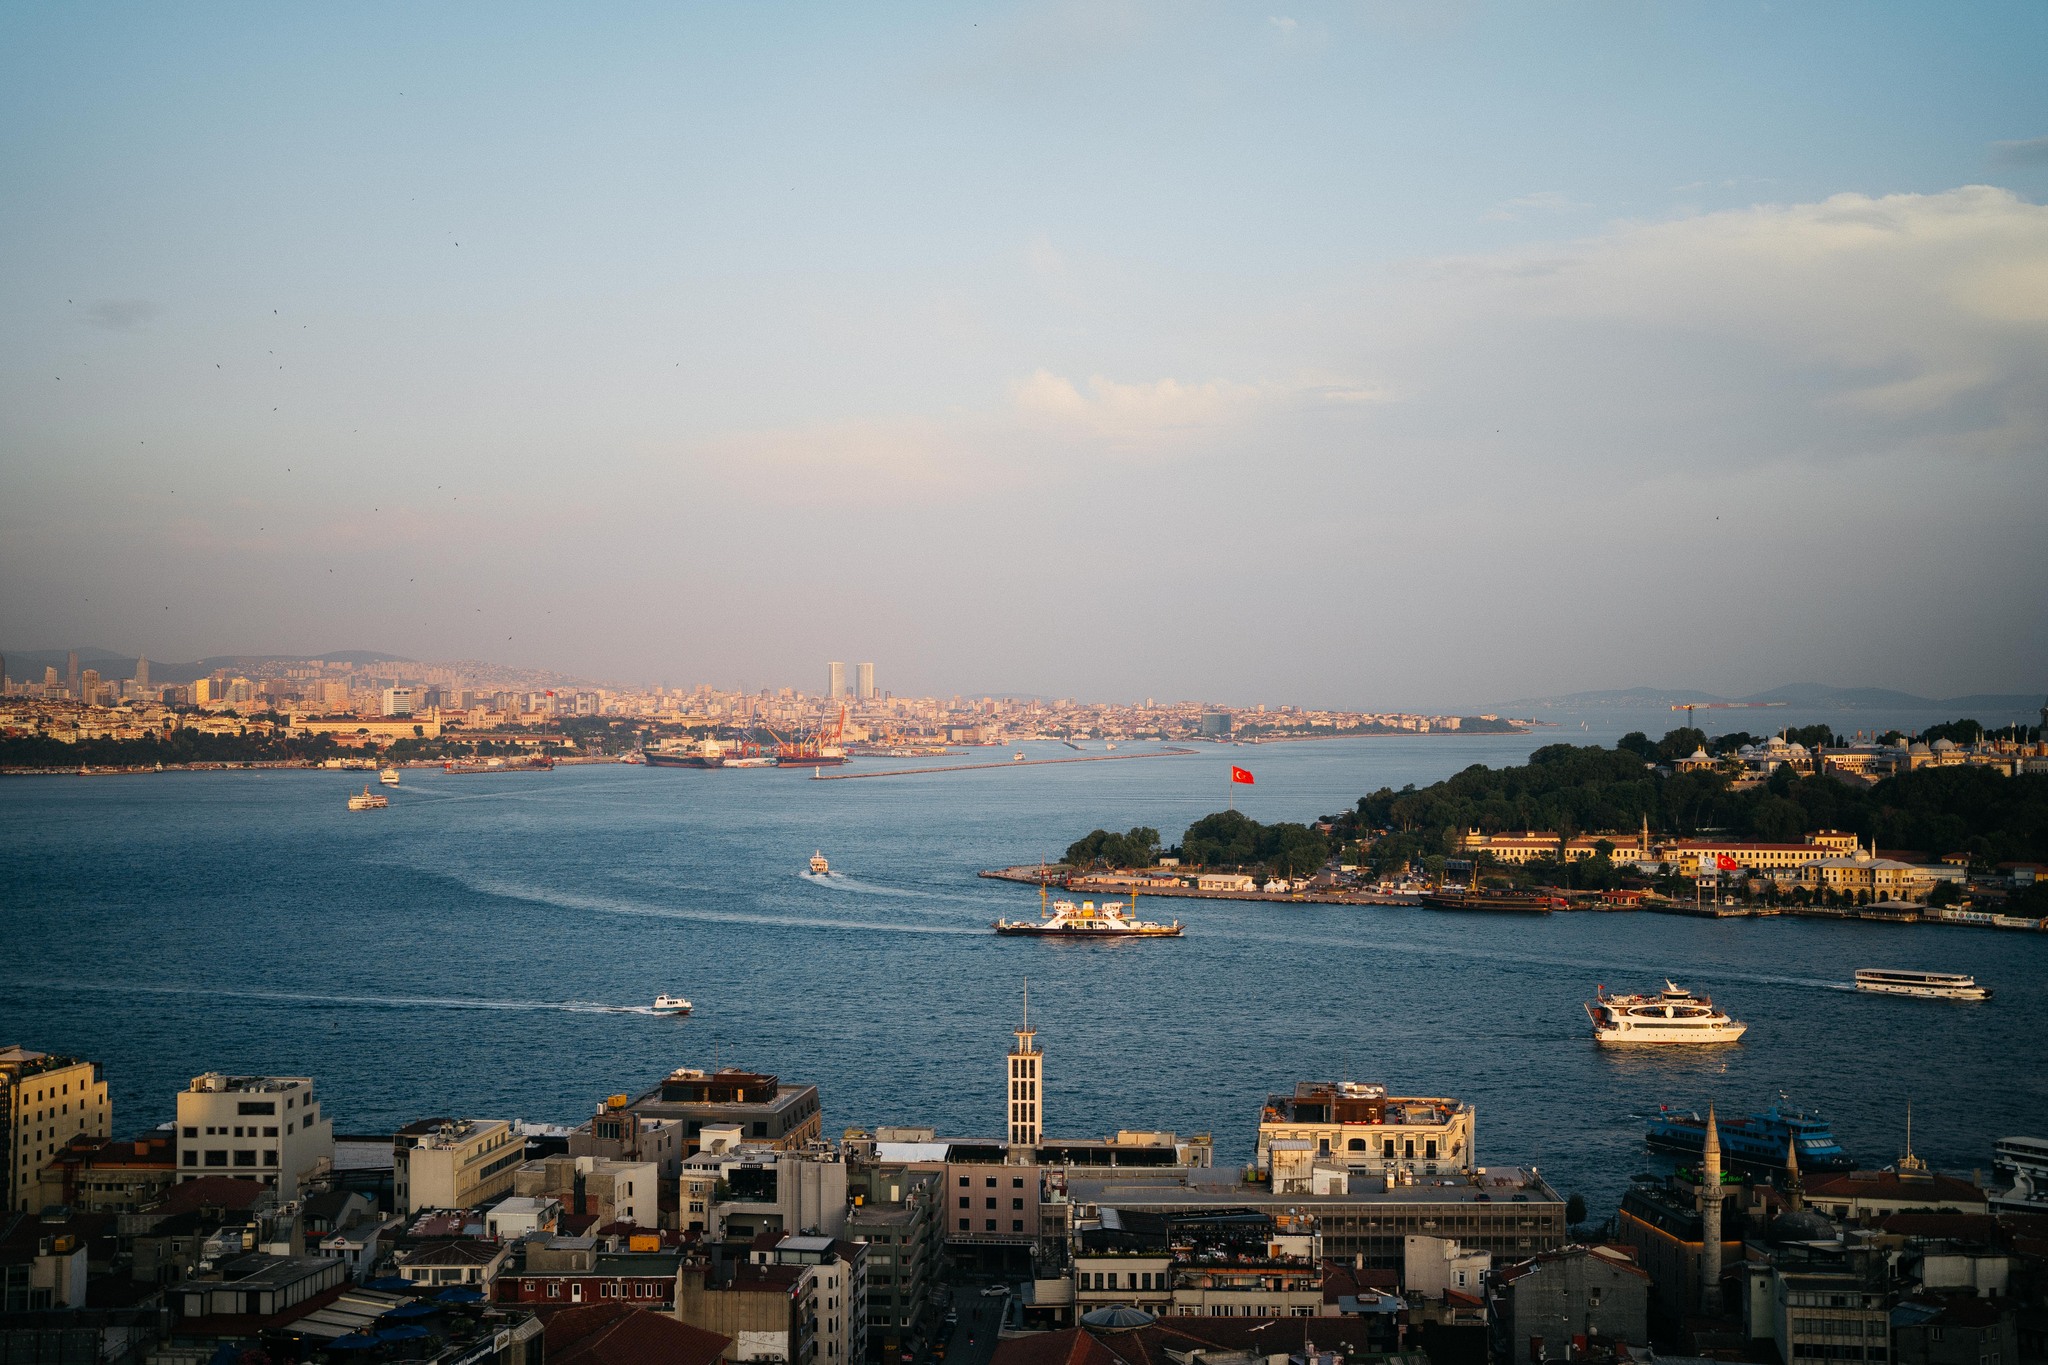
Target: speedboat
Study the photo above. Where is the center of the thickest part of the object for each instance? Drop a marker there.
(1673, 1015)
(671, 1004)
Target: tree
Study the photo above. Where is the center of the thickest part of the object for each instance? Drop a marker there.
(1101, 848)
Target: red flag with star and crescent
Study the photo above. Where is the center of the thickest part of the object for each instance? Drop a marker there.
(1238, 774)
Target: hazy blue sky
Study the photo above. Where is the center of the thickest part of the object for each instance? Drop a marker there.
(1354, 354)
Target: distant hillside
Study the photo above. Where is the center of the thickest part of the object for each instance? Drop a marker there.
(24, 665)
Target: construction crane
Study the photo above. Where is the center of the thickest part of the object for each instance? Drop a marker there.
(1689, 706)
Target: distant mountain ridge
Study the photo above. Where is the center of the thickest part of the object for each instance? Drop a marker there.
(1812, 696)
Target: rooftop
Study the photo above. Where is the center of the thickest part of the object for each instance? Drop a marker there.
(1356, 1102)
(1197, 1188)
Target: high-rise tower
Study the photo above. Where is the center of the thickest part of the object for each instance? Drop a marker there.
(1710, 1220)
(141, 675)
(864, 681)
(71, 673)
(1027, 1083)
(836, 687)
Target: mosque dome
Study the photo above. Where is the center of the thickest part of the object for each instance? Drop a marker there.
(1801, 1225)
(1120, 1316)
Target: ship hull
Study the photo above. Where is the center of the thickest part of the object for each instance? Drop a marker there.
(655, 760)
(1046, 931)
(1516, 905)
(815, 761)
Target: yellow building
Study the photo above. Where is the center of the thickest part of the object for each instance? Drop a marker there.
(46, 1101)
(1361, 1127)
(453, 1163)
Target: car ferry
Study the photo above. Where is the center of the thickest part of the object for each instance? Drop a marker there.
(369, 800)
(1112, 919)
(1924, 985)
(1673, 1015)
(388, 776)
(1760, 1141)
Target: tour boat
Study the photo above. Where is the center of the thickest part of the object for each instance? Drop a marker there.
(1925, 985)
(1068, 920)
(388, 776)
(819, 867)
(1674, 1015)
(1761, 1141)
(671, 1004)
(369, 800)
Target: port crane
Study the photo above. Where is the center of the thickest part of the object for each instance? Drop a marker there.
(1689, 706)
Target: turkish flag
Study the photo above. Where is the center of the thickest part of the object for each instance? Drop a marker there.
(1725, 863)
(1238, 774)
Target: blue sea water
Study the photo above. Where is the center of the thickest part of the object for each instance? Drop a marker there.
(488, 945)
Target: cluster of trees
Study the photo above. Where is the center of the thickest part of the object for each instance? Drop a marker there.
(1572, 789)
(1225, 839)
(1102, 848)
(179, 746)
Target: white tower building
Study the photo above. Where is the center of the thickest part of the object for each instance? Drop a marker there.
(1027, 1084)
(864, 681)
(836, 687)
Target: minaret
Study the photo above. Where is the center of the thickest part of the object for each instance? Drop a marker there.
(1795, 1188)
(1710, 1221)
(1027, 1083)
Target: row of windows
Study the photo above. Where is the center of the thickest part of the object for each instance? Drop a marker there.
(1813, 1350)
(1138, 1279)
(1806, 1325)
(1023, 1066)
(610, 1289)
(1016, 1182)
(989, 1225)
(238, 1130)
(244, 1157)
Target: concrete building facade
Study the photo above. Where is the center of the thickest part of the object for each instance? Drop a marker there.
(453, 1163)
(45, 1102)
(267, 1128)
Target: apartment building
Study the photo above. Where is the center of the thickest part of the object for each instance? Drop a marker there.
(45, 1102)
(453, 1163)
(267, 1128)
(763, 1107)
(841, 1286)
(1360, 1127)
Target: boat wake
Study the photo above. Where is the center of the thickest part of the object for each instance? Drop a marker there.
(310, 998)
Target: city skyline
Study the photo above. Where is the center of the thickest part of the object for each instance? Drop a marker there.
(1365, 356)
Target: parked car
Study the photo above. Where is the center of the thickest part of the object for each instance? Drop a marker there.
(996, 1291)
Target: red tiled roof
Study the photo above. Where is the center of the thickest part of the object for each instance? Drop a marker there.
(619, 1334)
(212, 1192)
(1930, 1188)
(1074, 1346)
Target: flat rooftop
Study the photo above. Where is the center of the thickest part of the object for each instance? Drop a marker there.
(1506, 1185)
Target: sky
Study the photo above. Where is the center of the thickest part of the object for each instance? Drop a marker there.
(1338, 354)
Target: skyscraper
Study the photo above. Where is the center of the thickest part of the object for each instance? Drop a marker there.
(141, 675)
(864, 681)
(88, 689)
(836, 688)
(1027, 1117)
(71, 672)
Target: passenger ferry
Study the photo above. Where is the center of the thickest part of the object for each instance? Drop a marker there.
(1925, 985)
(369, 800)
(819, 866)
(1760, 1141)
(388, 776)
(1068, 920)
(671, 1004)
(1674, 1015)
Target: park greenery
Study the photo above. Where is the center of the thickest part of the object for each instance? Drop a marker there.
(1570, 790)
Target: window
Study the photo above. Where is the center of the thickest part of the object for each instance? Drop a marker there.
(1016, 1225)
(245, 1158)
(1017, 1182)
(965, 1223)
(270, 1132)
(991, 1225)
(991, 1201)
(191, 1158)
(270, 1157)
(965, 1202)
(256, 1107)
(963, 1182)
(1016, 1203)
(191, 1132)
(217, 1157)
(991, 1182)
(554, 1290)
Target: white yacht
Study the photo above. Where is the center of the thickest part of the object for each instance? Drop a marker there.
(1925, 985)
(671, 1004)
(388, 776)
(1673, 1015)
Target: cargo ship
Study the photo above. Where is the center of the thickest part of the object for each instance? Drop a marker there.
(813, 751)
(1517, 902)
(1760, 1141)
(707, 753)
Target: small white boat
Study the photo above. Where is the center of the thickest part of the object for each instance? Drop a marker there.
(819, 867)
(671, 1004)
(388, 776)
(369, 800)
(1673, 1016)
(1922, 985)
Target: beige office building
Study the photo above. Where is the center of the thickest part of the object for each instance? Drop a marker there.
(453, 1163)
(46, 1101)
(1356, 1126)
(267, 1128)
